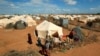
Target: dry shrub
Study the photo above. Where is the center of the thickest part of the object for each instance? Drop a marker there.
(22, 53)
(93, 38)
(13, 53)
(90, 39)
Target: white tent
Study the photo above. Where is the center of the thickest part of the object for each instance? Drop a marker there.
(29, 20)
(37, 18)
(56, 17)
(49, 27)
(4, 22)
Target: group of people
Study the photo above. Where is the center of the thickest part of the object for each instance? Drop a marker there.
(50, 43)
(47, 46)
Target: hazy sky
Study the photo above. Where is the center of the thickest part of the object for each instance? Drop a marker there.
(49, 6)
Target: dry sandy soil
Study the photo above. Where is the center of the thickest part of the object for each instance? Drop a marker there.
(17, 40)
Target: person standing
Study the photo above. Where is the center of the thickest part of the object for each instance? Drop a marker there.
(29, 38)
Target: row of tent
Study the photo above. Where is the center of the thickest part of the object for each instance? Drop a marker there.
(63, 22)
(18, 25)
(28, 20)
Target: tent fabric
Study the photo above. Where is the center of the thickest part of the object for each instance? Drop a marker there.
(49, 27)
(29, 20)
(9, 26)
(38, 18)
(5, 22)
(20, 25)
(64, 22)
(56, 40)
(78, 33)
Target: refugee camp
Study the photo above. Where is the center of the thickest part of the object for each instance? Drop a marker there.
(49, 28)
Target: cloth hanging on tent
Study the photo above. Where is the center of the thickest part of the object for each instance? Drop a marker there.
(55, 34)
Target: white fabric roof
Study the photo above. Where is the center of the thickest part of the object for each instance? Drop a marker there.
(50, 27)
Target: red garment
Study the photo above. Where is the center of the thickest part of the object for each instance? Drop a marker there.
(64, 37)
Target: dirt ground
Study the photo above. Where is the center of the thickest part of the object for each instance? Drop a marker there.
(17, 40)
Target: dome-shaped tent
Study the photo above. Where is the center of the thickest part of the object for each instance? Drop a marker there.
(20, 25)
(76, 34)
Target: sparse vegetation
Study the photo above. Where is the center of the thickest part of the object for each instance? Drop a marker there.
(22, 53)
(90, 39)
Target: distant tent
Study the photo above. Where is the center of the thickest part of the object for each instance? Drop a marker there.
(47, 28)
(9, 26)
(64, 22)
(20, 25)
(57, 22)
(29, 20)
(37, 18)
(56, 17)
(96, 25)
(89, 24)
(5, 22)
(76, 34)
